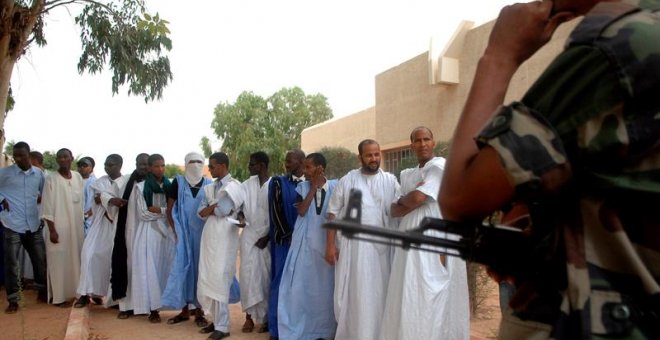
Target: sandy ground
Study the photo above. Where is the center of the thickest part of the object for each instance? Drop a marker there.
(33, 321)
(105, 325)
(487, 322)
(38, 321)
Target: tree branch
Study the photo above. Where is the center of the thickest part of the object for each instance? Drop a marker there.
(100, 4)
(52, 4)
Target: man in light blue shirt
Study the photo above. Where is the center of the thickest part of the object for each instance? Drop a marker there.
(21, 185)
(86, 170)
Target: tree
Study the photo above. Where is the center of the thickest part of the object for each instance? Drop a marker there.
(205, 144)
(9, 147)
(340, 161)
(172, 170)
(119, 35)
(50, 160)
(441, 149)
(272, 125)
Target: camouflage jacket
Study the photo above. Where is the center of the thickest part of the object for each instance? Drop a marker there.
(597, 108)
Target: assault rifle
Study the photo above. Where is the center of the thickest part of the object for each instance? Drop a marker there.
(504, 249)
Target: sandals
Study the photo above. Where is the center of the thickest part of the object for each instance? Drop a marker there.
(82, 302)
(65, 304)
(248, 326)
(178, 318)
(154, 317)
(201, 321)
(263, 328)
(208, 329)
(123, 315)
(12, 308)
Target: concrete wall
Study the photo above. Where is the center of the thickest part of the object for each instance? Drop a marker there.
(404, 98)
(346, 131)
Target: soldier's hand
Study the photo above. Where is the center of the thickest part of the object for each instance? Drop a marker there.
(521, 29)
(155, 210)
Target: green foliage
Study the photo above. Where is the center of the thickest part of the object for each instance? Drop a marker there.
(272, 125)
(130, 41)
(50, 160)
(10, 102)
(172, 170)
(9, 147)
(205, 144)
(340, 161)
(405, 163)
(441, 149)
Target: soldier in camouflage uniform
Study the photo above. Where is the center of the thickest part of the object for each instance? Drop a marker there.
(581, 150)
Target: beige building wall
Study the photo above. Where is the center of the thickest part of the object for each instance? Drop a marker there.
(346, 131)
(404, 98)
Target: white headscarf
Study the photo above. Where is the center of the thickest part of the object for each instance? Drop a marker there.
(194, 171)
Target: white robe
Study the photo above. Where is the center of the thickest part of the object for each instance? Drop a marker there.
(255, 262)
(425, 300)
(153, 252)
(129, 232)
(363, 269)
(62, 203)
(219, 247)
(96, 256)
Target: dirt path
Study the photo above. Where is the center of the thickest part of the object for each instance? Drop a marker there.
(38, 321)
(33, 321)
(105, 325)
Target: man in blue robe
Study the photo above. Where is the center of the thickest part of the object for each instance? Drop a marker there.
(183, 200)
(281, 199)
(306, 307)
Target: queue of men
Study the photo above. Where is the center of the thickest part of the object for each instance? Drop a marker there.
(155, 244)
(578, 155)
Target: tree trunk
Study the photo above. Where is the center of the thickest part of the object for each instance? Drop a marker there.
(16, 25)
(6, 68)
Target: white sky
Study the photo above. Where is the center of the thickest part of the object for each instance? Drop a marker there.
(221, 48)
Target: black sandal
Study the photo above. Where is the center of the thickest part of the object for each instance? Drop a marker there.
(82, 302)
(201, 321)
(178, 318)
(123, 315)
(154, 317)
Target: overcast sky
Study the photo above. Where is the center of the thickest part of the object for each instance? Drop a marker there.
(221, 48)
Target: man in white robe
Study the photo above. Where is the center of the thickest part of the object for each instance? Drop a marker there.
(218, 250)
(62, 209)
(427, 296)
(125, 225)
(97, 248)
(255, 255)
(153, 243)
(362, 268)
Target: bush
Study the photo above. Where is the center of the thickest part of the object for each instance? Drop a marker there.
(340, 161)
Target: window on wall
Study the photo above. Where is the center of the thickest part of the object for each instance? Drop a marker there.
(396, 158)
